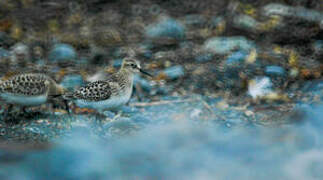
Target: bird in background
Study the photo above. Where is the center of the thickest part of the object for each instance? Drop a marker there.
(26, 90)
(108, 94)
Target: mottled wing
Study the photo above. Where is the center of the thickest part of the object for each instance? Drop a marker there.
(26, 84)
(95, 91)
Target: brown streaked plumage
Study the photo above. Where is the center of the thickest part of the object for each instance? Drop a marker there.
(111, 93)
(29, 89)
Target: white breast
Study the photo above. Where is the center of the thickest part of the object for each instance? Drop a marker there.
(112, 103)
(23, 100)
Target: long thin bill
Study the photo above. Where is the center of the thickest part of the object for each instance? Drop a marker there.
(144, 72)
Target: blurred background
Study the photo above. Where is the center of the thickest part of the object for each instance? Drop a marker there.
(236, 90)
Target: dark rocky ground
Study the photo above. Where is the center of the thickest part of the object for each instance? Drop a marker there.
(237, 85)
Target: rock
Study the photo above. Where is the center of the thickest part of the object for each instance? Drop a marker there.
(236, 58)
(223, 45)
(245, 22)
(143, 83)
(62, 52)
(72, 81)
(260, 87)
(117, 63)
(275, 70)
(20, 54)
(174, 72)
(289, 11)
(164, 55)
(166, 28)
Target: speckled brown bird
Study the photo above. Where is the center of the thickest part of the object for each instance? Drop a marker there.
(111, 93)
(31, 89)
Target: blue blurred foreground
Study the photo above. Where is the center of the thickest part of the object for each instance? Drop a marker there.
(177, 146)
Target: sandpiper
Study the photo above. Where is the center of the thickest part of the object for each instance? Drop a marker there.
(25, 90)
(111, 93)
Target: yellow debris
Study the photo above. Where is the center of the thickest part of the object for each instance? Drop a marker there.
(220, 28)
(270, 24)
(293, 59)
(249, 10)
(53, 26)
(252, 56)
(16, 32)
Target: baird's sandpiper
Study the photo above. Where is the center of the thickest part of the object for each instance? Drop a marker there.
(111, 93)
(30, 89)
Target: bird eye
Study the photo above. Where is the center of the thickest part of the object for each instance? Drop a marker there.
(133, 65)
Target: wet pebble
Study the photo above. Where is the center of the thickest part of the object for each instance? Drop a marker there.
(167, 28)
(236, 58)
(174, 72)
(275, 71)
(72, 81)
(62, 52)
(143, 83)
(245, 22)
(289, 11)
(223, 45)
(117, 63)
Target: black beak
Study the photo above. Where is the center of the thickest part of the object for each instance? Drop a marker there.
(144, 72)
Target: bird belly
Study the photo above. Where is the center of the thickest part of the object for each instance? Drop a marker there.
(24, 100)
(110, 103)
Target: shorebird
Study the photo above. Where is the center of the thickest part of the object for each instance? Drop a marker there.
(111, 93)
(25, 90)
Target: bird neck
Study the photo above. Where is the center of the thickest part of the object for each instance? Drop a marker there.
(125, 74)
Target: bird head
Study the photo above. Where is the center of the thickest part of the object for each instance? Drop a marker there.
(133, 66)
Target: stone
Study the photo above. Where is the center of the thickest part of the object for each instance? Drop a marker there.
(62, 52)
(223, 45)
(166, 28)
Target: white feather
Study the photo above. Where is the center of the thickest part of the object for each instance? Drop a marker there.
(113, 102)
(23, 100)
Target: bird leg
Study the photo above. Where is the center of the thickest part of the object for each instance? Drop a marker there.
(7, 112)
(67, 108)
(9, 108)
